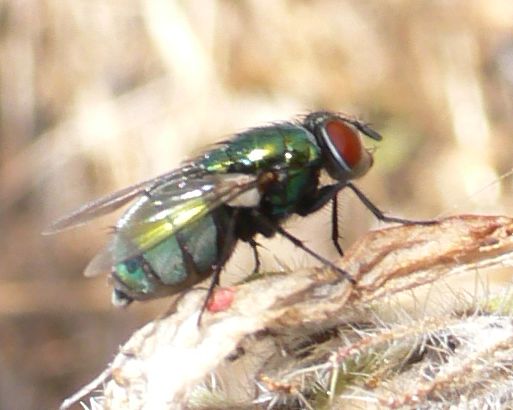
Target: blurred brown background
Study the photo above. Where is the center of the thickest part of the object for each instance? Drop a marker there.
(96, 95)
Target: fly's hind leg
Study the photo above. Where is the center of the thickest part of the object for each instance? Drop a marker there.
(213, 283)
(223, 255)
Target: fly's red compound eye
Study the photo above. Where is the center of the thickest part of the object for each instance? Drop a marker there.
(346, 141)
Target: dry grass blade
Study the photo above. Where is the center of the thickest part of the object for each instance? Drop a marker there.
(166, 363)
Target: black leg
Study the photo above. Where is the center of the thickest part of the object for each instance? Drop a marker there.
(320, 258)
(321, 198)
(216, 269)
(254, 245)
(277, 228)
(213, 283)
(334, 225)
(380, 215)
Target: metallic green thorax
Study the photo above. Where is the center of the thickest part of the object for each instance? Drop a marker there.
(286, 145)
(182, 248)
(288, 148)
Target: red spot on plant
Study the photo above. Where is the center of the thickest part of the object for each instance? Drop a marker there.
(221, 299)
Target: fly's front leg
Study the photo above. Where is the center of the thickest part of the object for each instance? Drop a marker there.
(335, 236)
(322, 197)
(381, 215)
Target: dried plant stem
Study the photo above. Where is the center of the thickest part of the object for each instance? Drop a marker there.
(294, 315)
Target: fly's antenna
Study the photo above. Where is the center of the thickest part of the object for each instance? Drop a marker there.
(367, 130)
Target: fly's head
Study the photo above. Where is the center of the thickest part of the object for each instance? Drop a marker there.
(339, 138)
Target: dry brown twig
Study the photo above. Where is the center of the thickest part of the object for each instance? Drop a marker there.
(285, 328)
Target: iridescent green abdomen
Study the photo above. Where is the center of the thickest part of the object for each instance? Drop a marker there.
(178, 262)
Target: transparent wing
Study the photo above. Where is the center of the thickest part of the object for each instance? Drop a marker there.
(168, 208)
(115, 200)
